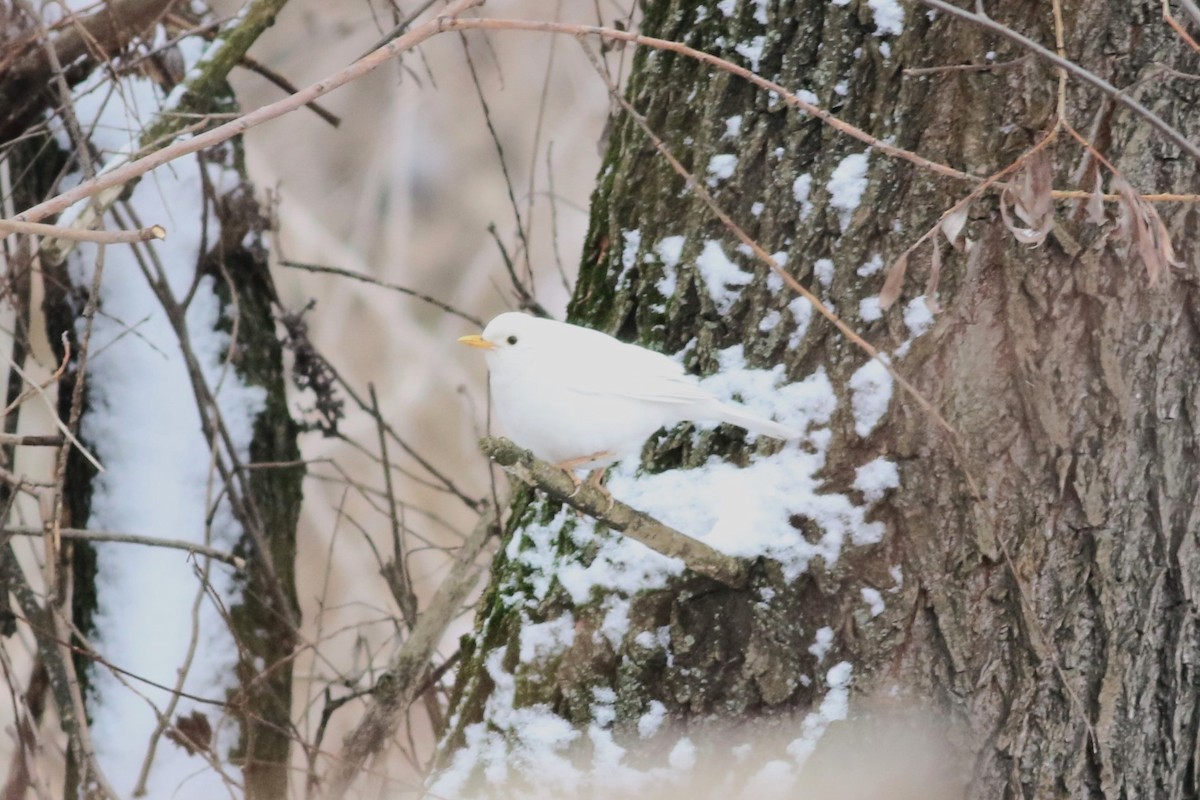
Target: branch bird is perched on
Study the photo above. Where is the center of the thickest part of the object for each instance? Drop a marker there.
(580, 398)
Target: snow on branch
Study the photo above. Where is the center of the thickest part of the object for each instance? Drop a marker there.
(559, 484)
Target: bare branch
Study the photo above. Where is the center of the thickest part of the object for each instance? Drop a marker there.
(358, 276)
(131, 538)
(397, 687)
(558, 483)
(8, 226)
(140, 166)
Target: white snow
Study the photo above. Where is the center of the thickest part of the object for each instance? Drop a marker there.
(801, 310)
(769, 321)
(629, 253)
(869, 309)
(756, 209)
(752, 51)
(874, 599)
(649, 723)
(917, 316)
(543, 640)
(727, 7)
(823, 271)
(871, 388)
(744, 511)
(873, 265)
(875, 478)
(801, 189)
(847, 184)
(835, 706)
(670, 250)
(821, 643)
(889, 17)
(719, 273)
(721, 167)
(733, 127)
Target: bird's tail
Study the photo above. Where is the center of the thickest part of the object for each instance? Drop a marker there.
(720, 412)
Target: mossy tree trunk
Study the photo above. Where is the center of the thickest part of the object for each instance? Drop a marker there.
(1067, 667)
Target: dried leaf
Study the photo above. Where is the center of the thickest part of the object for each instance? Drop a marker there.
(1031, 199)
(890, 292)
(935, 271)
(193, 733)
(1039, 183)
(953, 223)
(1030, 236)
(1140, 221)
(1095, 204)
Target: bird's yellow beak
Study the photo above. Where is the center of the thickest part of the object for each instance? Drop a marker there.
(475, 340)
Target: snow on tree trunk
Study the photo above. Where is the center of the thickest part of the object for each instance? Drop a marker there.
(883, 590)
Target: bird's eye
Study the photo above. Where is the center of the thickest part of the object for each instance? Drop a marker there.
(512, 340)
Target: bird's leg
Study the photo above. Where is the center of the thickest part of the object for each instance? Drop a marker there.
(596, 481)
(595, 477)
(574, 463)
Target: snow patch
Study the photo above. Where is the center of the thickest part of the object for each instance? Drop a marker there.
(721, 167)
(801, 189)
(719, 273)
(889, 17)
(823, 271)
(874, 599)
(752, 51)
(875, 478)
(846, 186)
(871, 393)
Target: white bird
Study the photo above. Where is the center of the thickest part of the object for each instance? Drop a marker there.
(579, 398)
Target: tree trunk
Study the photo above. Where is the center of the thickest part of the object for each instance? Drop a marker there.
(1042, 629)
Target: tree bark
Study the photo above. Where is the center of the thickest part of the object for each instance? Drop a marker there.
(1048, 624)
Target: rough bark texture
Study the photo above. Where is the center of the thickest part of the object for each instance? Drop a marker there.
(239, 264)
(1070, 378)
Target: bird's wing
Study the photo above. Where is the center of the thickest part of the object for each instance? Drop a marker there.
(601, 365)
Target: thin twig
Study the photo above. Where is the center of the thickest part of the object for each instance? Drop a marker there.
(9, 226)
(395, 690)
(398, 579)
(1085, 75)
(283, 83)
(79, 534)
(30, 440)
(57, 422)
(508, 182)
(358, 276)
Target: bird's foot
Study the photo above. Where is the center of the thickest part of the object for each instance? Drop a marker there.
(596, 481)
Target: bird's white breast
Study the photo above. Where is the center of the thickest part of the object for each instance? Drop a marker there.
(543, 411)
